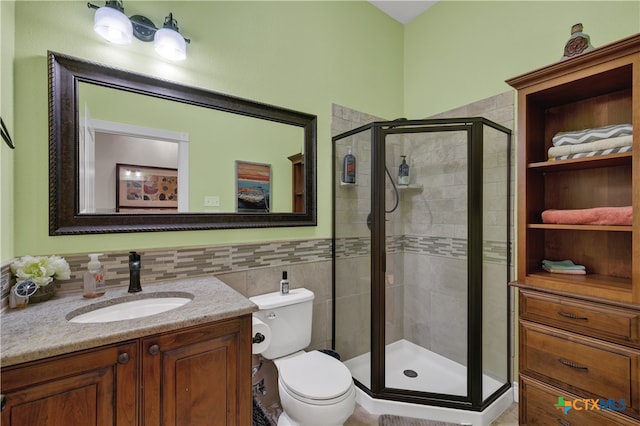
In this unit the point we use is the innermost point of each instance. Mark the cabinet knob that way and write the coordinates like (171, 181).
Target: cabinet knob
(154, 349)
(123, 358)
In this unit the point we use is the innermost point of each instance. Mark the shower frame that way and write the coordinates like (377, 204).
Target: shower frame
(473, 126)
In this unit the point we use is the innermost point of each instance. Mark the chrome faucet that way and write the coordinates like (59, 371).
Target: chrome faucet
(134, 272)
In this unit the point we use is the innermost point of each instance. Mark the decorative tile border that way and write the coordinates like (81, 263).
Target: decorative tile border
(493, 251)
(160, 265)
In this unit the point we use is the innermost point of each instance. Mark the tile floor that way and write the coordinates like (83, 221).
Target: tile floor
(362, 418)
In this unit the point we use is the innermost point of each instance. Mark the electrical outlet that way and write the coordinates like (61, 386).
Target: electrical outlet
(212, 201)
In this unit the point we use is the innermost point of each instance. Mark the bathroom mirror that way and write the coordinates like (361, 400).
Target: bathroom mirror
(133, 153)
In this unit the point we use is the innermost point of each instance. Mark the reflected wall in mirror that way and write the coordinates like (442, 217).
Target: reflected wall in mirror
(102, 116)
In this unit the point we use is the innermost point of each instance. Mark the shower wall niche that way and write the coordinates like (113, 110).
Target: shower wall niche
(421, 303)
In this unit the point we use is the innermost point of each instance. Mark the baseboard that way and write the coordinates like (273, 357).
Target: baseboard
(515, 392)
(442, 414)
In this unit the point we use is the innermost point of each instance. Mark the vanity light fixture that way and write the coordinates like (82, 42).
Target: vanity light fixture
(113, 25)
(168, 42)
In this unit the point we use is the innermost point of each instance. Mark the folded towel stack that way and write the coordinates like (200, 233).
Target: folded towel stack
(593, 216)
(563, 267)
(591, 142)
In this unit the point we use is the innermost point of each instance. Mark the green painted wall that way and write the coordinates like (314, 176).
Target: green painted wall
(7, 30)
(302, 55)
(299, 55)
(463, 51)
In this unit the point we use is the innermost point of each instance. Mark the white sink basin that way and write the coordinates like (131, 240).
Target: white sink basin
(132, 309)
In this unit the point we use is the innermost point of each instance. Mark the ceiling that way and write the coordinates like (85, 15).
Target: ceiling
(403, 11)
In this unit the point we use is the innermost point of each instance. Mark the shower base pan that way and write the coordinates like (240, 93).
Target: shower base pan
(411, 367)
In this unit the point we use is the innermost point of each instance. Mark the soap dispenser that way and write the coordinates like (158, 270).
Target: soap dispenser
(349, 168)
(403, 171)
(94, 283)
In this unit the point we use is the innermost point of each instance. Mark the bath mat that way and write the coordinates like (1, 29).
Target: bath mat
(260, 416)
(390, 420)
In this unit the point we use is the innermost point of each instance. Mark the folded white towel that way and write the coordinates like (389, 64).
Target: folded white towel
(557, 151)
(590, 135)
(619, 150)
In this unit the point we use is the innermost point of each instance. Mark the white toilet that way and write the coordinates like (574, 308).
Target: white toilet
(315, 388)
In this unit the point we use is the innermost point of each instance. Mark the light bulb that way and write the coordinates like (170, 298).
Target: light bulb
(170, 44)
(113, 25)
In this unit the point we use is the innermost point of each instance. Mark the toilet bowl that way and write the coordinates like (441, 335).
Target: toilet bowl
(315, 388)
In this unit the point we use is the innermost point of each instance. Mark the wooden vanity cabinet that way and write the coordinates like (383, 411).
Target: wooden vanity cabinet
(200, 376)
(195, 376)
(89, 388)
(579, 335)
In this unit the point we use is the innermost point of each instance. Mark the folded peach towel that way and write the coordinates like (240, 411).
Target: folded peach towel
(593, 216)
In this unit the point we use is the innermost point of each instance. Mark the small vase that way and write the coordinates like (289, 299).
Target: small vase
(43, 293)
(578, 43)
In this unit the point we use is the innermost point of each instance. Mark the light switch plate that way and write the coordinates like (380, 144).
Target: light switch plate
(212, 201)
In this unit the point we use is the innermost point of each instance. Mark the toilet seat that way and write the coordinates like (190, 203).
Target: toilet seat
(315, 378)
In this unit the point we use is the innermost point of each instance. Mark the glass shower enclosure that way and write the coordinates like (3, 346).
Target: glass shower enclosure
(421, 304)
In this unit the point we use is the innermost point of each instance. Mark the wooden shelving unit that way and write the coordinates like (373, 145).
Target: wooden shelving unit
(589, 91)
(596, 89)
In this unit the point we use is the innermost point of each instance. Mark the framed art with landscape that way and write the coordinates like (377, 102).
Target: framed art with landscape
(253, 187)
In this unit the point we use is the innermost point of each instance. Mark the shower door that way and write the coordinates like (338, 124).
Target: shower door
(428, 321)
(426, 242)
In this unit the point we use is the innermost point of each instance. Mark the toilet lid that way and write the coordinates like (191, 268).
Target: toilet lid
(315, 375)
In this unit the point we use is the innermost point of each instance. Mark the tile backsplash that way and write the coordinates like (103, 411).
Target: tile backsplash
(250, 269)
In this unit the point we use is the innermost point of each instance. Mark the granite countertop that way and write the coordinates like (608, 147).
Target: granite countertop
(42, 330)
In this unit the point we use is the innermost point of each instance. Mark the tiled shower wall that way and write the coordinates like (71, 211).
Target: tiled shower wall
(499, 109)
(426, 242)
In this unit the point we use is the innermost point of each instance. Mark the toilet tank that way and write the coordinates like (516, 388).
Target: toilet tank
(289, 317)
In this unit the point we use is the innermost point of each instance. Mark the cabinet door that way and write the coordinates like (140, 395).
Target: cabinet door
(96, 387)
(199, 376)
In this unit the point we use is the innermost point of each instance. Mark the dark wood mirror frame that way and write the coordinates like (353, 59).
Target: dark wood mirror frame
(65, 75)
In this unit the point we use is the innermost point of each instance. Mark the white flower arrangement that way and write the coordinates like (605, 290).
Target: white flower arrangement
(41, 269)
